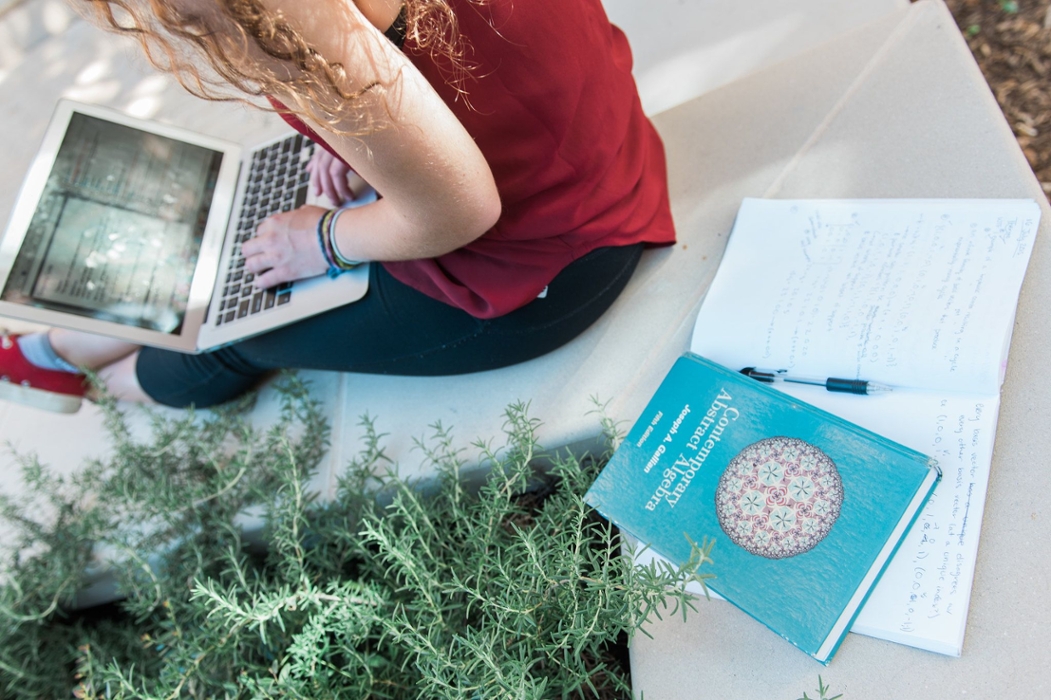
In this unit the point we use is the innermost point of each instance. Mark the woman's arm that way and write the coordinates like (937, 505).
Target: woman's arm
(438, 191)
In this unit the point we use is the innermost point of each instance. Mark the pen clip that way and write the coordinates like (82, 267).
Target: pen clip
(762, 375)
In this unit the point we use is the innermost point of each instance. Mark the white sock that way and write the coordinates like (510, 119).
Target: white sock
(36, 348)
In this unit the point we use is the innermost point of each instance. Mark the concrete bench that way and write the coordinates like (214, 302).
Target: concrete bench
(895, 109)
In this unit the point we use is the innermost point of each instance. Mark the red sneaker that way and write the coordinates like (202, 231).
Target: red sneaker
(28, 384)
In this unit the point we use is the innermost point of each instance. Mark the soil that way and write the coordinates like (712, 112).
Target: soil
(1011, 40)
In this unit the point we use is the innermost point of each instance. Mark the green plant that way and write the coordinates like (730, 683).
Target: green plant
(822, 690)
(516, 589)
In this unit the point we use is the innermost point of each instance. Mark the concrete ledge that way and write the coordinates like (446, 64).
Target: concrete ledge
(685, 48)
(912, 117)
(897, 109)
(26, 23)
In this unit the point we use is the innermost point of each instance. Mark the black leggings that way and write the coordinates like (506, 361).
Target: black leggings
(395, 329)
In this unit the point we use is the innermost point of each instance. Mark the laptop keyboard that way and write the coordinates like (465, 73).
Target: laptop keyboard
(277, 181)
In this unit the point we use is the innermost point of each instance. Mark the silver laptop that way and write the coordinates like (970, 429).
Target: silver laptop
(133, 230)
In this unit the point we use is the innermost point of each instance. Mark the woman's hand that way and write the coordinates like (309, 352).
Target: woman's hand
(328, 177)
(285, 248)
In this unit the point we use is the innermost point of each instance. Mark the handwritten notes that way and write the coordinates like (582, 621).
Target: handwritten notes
(918, 294)
(906, 292)
(923, 597)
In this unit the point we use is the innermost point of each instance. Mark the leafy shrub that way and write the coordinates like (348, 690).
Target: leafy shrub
(513, 590)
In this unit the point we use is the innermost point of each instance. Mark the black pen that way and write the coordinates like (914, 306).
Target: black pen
(845, 386)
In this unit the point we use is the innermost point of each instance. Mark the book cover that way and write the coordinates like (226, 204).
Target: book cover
(805, 509)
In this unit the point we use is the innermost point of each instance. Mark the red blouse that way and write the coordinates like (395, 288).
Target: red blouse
(553, 107)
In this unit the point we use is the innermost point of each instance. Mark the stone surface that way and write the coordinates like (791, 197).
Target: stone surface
(909, 116)
(685, 48)
(897, 109)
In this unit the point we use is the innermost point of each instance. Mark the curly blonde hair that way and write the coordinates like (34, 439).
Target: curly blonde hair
(182, 42)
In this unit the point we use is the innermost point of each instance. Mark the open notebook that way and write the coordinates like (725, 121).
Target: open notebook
(917, 294)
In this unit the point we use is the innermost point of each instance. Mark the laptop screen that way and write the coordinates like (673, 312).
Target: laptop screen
(117, 231)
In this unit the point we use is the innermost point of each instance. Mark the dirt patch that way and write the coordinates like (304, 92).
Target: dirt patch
(1011, 40)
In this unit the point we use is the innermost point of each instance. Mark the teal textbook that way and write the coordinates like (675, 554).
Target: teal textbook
(805, 509)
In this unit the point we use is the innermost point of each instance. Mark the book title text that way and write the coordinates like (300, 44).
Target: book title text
(676, 478)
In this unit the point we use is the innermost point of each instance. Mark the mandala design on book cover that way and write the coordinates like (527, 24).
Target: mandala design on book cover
(779, 497)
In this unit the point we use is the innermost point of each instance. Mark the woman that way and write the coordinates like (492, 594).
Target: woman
(519, 179)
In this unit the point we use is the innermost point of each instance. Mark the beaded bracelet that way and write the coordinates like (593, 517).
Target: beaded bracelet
(326, 238)
(322, 240)
(342, 261)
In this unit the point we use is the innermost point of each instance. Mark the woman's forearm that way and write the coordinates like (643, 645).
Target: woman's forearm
(379, 231)
(438, 191)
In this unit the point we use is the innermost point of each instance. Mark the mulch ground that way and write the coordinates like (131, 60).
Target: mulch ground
(1011, 40)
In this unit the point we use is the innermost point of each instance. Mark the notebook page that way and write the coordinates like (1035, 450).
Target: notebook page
(917, 293)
